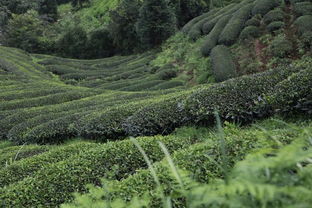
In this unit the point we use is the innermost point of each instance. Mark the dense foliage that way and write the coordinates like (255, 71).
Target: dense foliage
(156, 23)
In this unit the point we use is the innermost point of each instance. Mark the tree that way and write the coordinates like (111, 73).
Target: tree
(100, 44)
(79, 3)
(48, 10)
(23, 31)
(73, 43)
(188, 9)
(122, 25)
(20, 6)
(156, 23)
(4, 16)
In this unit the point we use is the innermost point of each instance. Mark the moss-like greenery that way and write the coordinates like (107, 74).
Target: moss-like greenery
(264, 6)
(250, 32)
(223, 65)
(304, 24)
(275, 26)
(273, 16)
(303, 8)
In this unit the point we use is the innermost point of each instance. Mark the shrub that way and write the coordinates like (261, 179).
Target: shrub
(196, 30)
(228, 10)
(73, 43)
(273, 16)
(223, 65)
(294, 94)
(45, 100)
(212, 39)
(145, 85)
(254, 21)
(209, 25)
(5, 144)
(54, 131)
(167, 74)
(296, 1)
(306, 41)
(274, 26)
(234, 27)
(190, 24)
(250, 32)
(264, 6)
(31, 125)
(117, 160)
(107, 125)
(16, 153)
(304, 24)
(161, 117)
(29, 166)
(167, 85)
(100, 44)
(281, 47)
(29, 93)
(236, 99)
(303, 8)
(156, 23)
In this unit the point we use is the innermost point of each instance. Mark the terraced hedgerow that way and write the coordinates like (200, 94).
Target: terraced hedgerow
(221, 112)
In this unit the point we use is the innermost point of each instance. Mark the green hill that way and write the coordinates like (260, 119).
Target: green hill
(218, 116)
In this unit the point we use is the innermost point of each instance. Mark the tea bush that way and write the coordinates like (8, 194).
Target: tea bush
(250, 32)
(281, 47)
(234, 27)
(212, 39)
(222, 62)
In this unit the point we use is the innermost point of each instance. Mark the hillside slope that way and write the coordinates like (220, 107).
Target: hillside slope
(38, 107)
(245, 69)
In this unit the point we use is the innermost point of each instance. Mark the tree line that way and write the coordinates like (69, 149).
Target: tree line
(134, 26)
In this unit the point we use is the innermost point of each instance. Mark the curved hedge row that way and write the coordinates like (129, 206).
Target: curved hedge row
(304, 24)
(274, 26)
(250, 32)
(223, 66)
(117, 159)
(22, 120)
(190, 24)
(168, 85)
(28, 167)
(254, 21)
(234, 27)
(303, 8)
(46, 100)
(208, 26)
(212, 39)
(57, 124)
(264, 6)
(107, 125)
(198, 160)
(237, 99)
(196, 30)
(158, 118)
(10, 155)
(273, 16)
(293, 94)
(29, 93)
